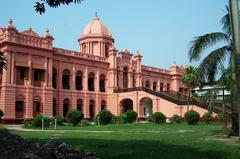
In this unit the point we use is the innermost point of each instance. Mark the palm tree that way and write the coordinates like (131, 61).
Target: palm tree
(211, 64)
(225, 83)
(40, 4)
(191, 80)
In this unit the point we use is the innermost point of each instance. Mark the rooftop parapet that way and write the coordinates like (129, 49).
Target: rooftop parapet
(79, 54)
(155, 69)
(27, 37)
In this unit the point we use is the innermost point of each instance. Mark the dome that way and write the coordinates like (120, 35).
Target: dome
(96, 27)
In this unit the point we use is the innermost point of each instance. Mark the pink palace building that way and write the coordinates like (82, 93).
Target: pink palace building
(43, 79)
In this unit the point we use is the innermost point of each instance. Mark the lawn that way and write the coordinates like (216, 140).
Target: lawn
(145, 141)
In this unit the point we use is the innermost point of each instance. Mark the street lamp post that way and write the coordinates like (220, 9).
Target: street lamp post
(234, 19)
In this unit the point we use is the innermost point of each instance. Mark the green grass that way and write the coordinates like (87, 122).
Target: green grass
(145, 141)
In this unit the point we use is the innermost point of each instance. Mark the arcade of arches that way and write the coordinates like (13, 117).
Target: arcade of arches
(145, 105)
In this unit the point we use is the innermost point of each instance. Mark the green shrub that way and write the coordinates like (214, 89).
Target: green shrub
(37, 121)
(149, 118)
(114, 119)
(122, 119)
(176, 118)
(27, 122)
(74, 116)
(207, 117)
(1, 113)
(220, 117)
(192, 117)
(59, 118)
(131, 116)
(104, 117)
(158, 118)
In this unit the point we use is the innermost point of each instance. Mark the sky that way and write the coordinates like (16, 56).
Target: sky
(159, 29)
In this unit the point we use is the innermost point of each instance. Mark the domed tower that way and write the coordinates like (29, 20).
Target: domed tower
(96, 38)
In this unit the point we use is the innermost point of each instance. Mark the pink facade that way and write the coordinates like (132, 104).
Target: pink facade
(43, 79)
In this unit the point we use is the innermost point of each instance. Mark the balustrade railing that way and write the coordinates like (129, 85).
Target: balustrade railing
(79, 54)
(173, 96)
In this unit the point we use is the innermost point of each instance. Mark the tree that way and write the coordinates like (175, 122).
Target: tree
(210, 65)
(74, 116)
(191, 80)
(40, 5)
(225, 83)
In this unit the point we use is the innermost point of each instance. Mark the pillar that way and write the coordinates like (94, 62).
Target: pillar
(50, 70)
(85, 80)
(73, 83)
(13, 70)
(96, 81)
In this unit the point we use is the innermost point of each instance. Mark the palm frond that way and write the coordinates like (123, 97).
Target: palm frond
(225, 21)
(191, 78)
(225, 79)
(204, 42)
(210, 65)
(39, 8)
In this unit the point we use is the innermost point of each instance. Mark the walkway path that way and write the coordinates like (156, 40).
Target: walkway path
(20, 128)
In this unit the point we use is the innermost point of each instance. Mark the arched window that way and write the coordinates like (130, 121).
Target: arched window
(168, 86)
(54, 78)
(92, 108)
(103, 105)
(91, 81)
(102, 83)
(78, 80)
(147, 84)
(154, 86)
(65, 106)
(65, 79)
(79, 105)
(161, 86)
(54, 107)
(84, 49)
(106, 51)
(125, 77)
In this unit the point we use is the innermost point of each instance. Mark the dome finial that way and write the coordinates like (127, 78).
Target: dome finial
(10, 23)
(96, 16)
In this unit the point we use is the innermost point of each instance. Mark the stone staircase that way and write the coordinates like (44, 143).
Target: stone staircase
(175, 97)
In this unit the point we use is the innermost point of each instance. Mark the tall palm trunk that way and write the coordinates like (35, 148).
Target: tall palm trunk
(235, 126)
(225, 117)
(234, 21)
(234, 107)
